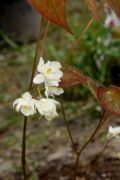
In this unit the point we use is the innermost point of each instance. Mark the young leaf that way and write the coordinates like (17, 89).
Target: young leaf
(92, 5)
(53, 10)
(109, 98)
(72, 76)
(115, 5)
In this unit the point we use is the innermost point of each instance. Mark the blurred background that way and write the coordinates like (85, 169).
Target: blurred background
(49, 155)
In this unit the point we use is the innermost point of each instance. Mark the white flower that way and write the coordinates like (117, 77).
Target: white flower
(25, 104)
(48, 73)
(112, 20)
(53, 91)
(47, 108)
(114, 131)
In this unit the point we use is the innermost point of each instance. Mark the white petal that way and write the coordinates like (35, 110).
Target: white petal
(46, 106)
(56, 75)
(52, 116)
(40, 65)
(27, 111)
(31, 104)
(46, 88)
(47, 93)
(43, 105)
(18, 103)
(53, 83)
(56, 65)
(38, 79)
(27, 96)
(114, 130)
(54, 101)
(56, 91)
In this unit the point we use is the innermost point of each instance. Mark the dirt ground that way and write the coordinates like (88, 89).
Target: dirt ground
(49, 153)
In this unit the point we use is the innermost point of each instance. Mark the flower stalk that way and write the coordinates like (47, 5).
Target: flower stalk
(23, 155)
(77, 151)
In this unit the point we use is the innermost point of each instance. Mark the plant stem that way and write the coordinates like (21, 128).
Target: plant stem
(76, 166)
(100, 154)
(66, 124)
(100, 124)
(23, 158)
(70, 53)
(37, 52)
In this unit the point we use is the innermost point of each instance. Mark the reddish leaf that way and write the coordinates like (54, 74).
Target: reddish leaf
(53, 10)
(92, 87)
(72, 76)
(92, 5)
(115, 5)
(109, 98)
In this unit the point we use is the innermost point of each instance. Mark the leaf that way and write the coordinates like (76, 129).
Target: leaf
(92, 5)
(109, 98)
(52, 10)
(72, 76)
(115, 5)
(92, 87)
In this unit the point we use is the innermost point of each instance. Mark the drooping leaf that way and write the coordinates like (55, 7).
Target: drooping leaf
(72, 76)
(53, 10)
(115, 5)
(92, 5)
(92, 87)
(109, 98)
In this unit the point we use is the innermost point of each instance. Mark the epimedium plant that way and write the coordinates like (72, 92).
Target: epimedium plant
(52, 77)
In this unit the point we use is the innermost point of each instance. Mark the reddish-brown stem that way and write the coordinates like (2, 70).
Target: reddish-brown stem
(37, 53)
(100, 124)
(78, 153)
(24, 149)
(76, 166)
(23, 158)
(100, 154)
(66, 124)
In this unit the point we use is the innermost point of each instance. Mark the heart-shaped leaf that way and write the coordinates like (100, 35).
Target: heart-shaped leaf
(72, 76)
(109, 98)
(115, 5)
(53, 10)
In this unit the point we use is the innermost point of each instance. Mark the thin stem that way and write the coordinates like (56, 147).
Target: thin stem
(39, 92)
(70, 53)
(100, 124)
(44, 38)
(78, 41)
(100, 154)
(66, 124)
(23, 158)
(35, 61)
(76, 166)
(37, 52)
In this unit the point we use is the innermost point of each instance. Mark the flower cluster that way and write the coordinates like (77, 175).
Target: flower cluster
(49, 75)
